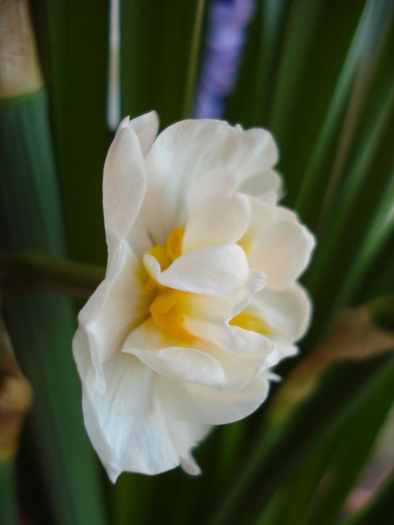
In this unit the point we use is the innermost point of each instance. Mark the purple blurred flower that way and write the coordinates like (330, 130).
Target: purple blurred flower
(225, 42)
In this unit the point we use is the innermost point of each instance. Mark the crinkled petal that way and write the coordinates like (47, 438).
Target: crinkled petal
(124, 184)
(282, 349)
(221, 309)
(120, 302)
(158, 351)
(234, 340)
(128, 425)
(218, 183)
(241, 365)
(266, 181)
(211, 405)
(185, 151)
(186, 436)
(218, 271)
(287, 312)
(282, 250)
(218, 221)
(146, 127)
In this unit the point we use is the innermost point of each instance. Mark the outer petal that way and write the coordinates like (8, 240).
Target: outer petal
(211, 405)
(124, 184)
(267, 180)
(282, 250)
(146, 127)
(187, 150)
(218, 271)
(287, 312)
(120, 302)
(186, 436)
(129, 410)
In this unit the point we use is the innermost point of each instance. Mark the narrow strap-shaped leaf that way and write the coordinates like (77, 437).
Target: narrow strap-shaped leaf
(318, 490)
(378, 510)
(160, 74)
(8, 500)
(361, 54)
(72, 39)
(41, 326)
(283, 449)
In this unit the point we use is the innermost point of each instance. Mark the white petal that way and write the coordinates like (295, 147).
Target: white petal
(120, 301)
(218, 271)
(287, 312)
(221, 309)
(234, 340)
(211, 405)
(158, 351)
(146, 127)
(124, 184)
(282, 350)
(186, 436)
(215, 183)
(187, 150)
(282, 250)
(266, 181)
(127, 425)
(217, 221)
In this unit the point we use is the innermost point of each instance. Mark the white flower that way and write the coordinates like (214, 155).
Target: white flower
(200, 296)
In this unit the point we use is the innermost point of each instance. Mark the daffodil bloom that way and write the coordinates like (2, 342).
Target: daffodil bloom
(200, 298)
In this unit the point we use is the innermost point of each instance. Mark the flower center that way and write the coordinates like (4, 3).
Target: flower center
(165, 308)
(250, 321)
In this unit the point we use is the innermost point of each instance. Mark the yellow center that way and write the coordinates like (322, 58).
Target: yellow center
(165, 308)
(250, 321)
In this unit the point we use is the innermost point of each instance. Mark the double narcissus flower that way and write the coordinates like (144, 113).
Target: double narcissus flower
(200, 297)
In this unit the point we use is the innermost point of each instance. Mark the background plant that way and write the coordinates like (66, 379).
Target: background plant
(319, 74)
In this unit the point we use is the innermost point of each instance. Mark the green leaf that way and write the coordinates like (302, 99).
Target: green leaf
(42, 326)
(160, 74)
(283, 448)
(378, 510)
(26, 272)
(72, 39)
(316, 493)
(8, 500)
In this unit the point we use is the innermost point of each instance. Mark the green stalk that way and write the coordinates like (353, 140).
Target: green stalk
(363, 49)
(375, 237)
(284, 449)
(72, 38)
(378, 510)
(193, 60)
(41, 326)
(8, 500)
(160, 74)
(28, 272)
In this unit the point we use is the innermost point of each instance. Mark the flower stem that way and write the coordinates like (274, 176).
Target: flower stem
(30, 271)
(193, 60)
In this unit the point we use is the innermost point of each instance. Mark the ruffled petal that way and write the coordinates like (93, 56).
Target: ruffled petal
(186, 436)
(163, 354)
(119, 303)
(218, 221)
(124, 184)
(185, 151)
(211, 405)
(146, 127)
(266, 181)
(282, 250)
(287, 312)
(218, 271)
